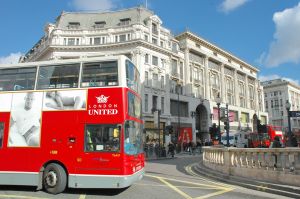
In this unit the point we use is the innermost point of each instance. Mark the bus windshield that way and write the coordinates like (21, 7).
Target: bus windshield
(134, 106)
(133, 138)
(132, 77)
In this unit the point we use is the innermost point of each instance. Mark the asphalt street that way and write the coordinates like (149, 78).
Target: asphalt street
(166, 178)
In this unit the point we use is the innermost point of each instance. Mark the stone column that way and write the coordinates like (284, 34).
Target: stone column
(222, 86)
(247, 97)
(236, 93)
(206, 79)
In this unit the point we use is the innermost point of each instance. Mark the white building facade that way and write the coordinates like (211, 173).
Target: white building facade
(182, 75)
(276, 93)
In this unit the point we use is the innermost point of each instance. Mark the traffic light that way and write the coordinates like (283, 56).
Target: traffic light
(169, 129)
(226, 125)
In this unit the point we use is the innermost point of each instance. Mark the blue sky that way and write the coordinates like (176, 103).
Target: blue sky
(264, 33)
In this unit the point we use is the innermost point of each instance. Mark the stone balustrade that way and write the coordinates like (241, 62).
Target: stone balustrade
(276, 165)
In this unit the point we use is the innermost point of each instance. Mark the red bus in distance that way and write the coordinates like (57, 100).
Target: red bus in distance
(71, 123)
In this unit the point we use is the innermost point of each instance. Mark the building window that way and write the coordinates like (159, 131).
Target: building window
(147, 58)
(161, 43)
(146, 102)
(162, 63)
(182, 106)
(97, 40)
(154, 28)
(174, 47)
(162, 105)
(154, 102)
(174, 67)
(181, 70)
(162, 81)
(271, 103)
(244, 117)
(122, 38)
(73, 25)
(71, 41)
(146, 78)
(155, 80)
(99, 24)
(146, 38)
(125, 21)
(154, 41)
(154, 61)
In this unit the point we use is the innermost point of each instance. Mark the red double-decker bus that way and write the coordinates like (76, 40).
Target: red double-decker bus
(72, 123)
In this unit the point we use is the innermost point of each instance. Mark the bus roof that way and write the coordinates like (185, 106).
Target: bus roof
(38, 63)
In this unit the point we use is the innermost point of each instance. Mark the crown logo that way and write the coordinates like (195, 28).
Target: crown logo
(102, 99)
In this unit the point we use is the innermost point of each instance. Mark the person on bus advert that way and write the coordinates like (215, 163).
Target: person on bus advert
(62, 100)
(25, 123)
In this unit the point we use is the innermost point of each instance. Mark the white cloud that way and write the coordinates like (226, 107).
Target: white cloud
(271, 77)
(230, 5)
(286, 45)
(93, 5)
(11, 59)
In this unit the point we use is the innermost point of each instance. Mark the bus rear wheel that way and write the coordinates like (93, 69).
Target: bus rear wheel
(54, 178)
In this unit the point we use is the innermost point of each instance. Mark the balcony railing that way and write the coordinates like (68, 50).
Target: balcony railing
(277, 165)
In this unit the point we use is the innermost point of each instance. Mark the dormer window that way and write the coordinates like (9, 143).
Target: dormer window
(125, 21)
(74, 25)
(154, 29)
(100, 24)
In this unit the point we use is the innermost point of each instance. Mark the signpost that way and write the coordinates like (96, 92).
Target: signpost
(294, 113)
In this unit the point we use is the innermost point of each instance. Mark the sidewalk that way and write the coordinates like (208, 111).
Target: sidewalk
(177, 155)
(279, 189)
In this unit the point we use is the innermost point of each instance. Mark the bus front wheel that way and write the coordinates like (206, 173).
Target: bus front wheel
(54, 178)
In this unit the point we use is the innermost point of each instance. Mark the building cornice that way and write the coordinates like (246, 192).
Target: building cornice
(277, 83)
(138, 42)
(213, 47)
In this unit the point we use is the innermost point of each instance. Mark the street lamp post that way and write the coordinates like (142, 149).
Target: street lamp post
(178, 112)
(228, 126)
(288, 107)
(158, 126)
(218, 100)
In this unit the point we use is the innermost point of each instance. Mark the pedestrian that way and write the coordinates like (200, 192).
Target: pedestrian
(189, 148)
(193, 148)
(276, 144)
(294, 142)
(171, 149)
(198, 145)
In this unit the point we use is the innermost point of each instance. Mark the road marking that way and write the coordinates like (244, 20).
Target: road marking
(161, 185)
(22, 197)
(175, 188)
(214, 194)
(190, 171)
(221, 189)
(82, 196)
(193, 183)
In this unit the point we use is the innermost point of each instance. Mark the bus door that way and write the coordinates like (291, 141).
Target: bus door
(101, 149)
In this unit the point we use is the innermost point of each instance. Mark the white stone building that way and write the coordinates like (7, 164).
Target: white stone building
(180, 74)
(276, 93)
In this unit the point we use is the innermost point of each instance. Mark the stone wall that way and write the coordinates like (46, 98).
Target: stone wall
(278, 165)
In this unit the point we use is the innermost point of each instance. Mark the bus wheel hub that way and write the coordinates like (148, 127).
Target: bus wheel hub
(51, 179)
